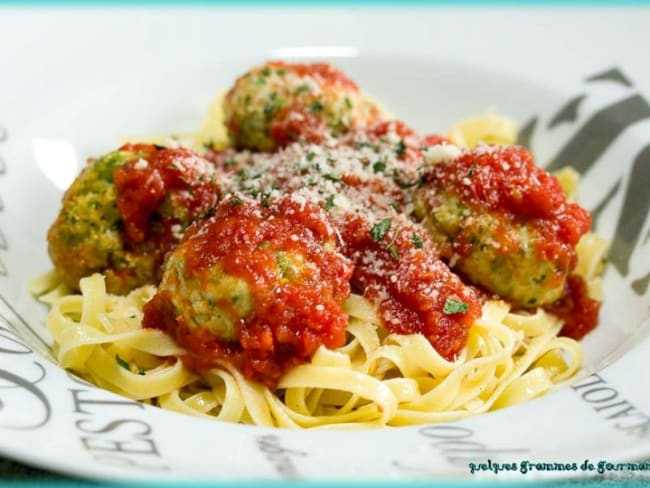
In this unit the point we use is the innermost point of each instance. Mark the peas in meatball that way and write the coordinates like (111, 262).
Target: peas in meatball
(278, 103)
(503, 223)
(125, 211)
(259, 286)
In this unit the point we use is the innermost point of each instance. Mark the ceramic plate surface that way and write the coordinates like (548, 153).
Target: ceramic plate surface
(52, 419)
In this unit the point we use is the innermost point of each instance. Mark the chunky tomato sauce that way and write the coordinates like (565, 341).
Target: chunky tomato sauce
(415, 291)
(409, 146)
(325, 73)
(576, 309)
(292, 314)
(143, 185)
(297, 123)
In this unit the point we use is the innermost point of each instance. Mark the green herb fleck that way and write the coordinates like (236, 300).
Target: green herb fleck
(273, 104)
(332, 177)
(208, 213)
(301, 89)
(310, 156)
(361, 145)
(122, 362)
(379, 230)
(142, 371)
(266, 71)
(417, 241)
(406, 184)
(329, 202)
(229, 162)
(455, 306)
(400, 148)
(471, 170)
(348, 103)
(316, 106)
(378, 167)
(393, 251)
(236, 201)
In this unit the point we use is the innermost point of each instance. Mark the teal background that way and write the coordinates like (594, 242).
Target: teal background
(327, 3)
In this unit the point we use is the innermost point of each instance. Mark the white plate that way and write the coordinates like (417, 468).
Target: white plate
(52, 419)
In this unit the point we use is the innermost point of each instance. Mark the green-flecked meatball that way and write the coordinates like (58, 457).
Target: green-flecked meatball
(503, 223)
(278, 103)
(125, 211)
(209, 299)
(258, 285)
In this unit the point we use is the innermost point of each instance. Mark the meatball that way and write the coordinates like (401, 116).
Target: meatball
(125, 211)
(502, 222)
(278, 103)
(259, 286)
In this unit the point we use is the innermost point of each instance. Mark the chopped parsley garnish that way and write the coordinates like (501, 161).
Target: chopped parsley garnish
(310, 156)
(378, 167)
(173, 166)
(142, 372)
(393, 251)
(230, 162)
(369, 145)
(311, 181)
(332, 177)
(455, 306)
(208, 213)
(301, 89)
(404, 185)
(236, 201)
(417, 241)
(470, 173)
(266, 71)
(208, 144)
(122, 362)
(316, 106)
(264, 200)
(379, 230)
(400, 148)
(273, 104)
(348, 102)
(329, 202)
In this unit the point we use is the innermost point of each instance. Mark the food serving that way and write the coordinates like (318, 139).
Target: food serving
(313, 262)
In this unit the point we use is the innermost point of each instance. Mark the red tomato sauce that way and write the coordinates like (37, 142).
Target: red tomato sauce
(296, 123)
(325, 73)
(143, 185)
(579, 312)
(291, 317)
(409, 148)
(403, 274)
